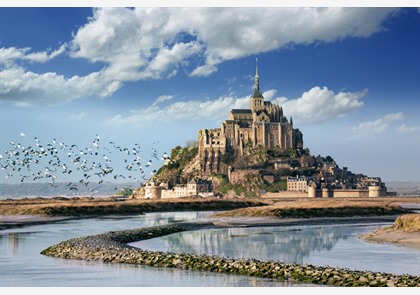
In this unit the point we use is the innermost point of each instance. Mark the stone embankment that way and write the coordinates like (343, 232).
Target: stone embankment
(112, 247)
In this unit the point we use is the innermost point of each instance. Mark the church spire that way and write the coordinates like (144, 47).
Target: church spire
(257, 92)
(256, 67)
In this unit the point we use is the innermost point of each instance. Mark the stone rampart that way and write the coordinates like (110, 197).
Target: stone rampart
(326, 193)
(350, 193)
(285, 194)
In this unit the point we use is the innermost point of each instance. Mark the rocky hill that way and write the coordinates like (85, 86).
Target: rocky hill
(257, 171)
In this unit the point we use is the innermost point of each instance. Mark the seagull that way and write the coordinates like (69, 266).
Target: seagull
(22, 134)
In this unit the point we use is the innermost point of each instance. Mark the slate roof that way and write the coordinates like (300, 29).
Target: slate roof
(241, 111)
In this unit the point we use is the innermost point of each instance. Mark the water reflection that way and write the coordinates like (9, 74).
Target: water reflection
(288, 244)
(22, 265)
(319, 245)
(13, 241)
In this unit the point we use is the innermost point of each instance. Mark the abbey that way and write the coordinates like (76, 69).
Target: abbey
(262, 124)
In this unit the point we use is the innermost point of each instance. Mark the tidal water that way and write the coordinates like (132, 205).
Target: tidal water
(22, 265)
(332, 245)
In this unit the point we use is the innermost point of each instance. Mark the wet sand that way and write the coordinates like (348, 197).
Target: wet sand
(9, 221)
(389, 235)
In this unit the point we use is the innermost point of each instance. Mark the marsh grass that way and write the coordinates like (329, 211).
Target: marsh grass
(100, 206)
(408, 223)
(320, 208)
(236, 207)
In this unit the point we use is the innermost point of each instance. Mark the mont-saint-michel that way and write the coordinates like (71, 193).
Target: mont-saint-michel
(256, 152)
(244, 187)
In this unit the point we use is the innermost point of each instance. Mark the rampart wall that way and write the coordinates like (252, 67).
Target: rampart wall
(328, 193)
(285, 194)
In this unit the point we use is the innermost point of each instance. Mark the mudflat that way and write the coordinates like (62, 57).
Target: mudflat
(390, 235)
(234, 211)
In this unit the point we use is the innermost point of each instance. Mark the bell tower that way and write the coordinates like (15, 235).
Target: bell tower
(257, 99)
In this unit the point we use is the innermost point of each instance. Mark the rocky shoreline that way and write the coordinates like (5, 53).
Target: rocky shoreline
(112, 247)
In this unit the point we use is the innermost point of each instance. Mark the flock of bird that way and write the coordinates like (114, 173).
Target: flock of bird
(49, 162)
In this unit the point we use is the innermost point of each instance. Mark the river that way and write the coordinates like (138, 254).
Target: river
(22, 265)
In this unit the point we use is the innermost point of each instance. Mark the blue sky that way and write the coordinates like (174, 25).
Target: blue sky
(349, 77)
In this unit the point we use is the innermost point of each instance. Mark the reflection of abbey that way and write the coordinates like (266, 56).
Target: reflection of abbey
(262, 124)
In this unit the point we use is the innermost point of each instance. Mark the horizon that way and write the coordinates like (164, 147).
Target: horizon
(155, 76)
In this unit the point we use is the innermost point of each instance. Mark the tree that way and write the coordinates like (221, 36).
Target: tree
(191, 143)
(125, 192)
(228, 158)
(292, 153)
(329, 159)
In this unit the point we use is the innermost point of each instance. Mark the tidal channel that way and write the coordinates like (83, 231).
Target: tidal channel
(22, 265)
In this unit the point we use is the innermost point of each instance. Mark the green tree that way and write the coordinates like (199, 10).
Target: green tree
(228, 158)
(125, 192)
(292, 153)
(329, 159)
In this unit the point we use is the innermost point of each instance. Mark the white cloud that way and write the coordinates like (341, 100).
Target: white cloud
(235, 33)
(147, 37)
(378, 126)
(111, 88)
(393, 117)
(77, 117)
(321, 104)
(316, 105)
(163, 98)
(25, 88)
(404, 129)
(11, 54)
(153, 43)
(193, 110)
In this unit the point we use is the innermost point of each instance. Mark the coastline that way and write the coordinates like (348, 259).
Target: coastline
(393, 236)
(11, 221)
